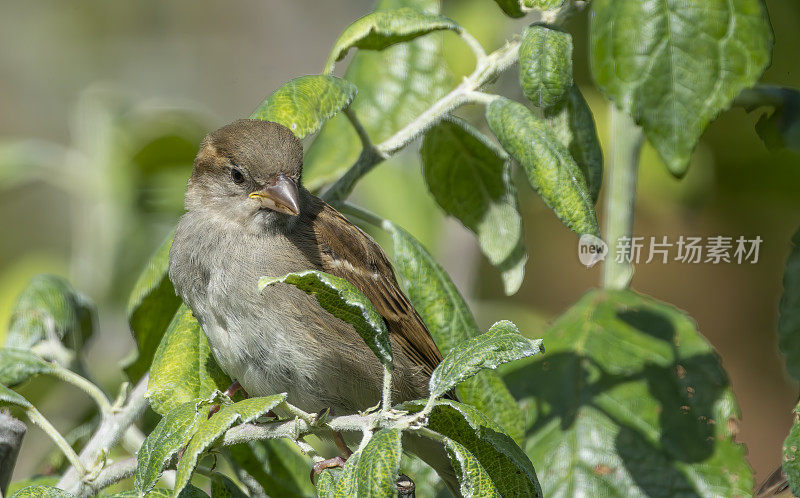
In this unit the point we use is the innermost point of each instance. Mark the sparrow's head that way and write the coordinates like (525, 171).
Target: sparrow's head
(248, 170)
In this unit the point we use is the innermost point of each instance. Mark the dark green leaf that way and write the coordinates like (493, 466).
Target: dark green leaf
(209, 431)
(41, 492)
(573, 123)
(791, 456)
(542, 4)
(473, 478)
(394, 86)
(545, 64)
(151, 306)
(378, 464)
(276, 465)
(450, 322)
(188, 492)
(630, 400)
(470, 179)
(674, 66)
(170, 435)
(501, 344)
(780, 127)
(50, 307)
(305, 103)
(18, 365)
(343, 300)
(512, 8)
(222, 487)
(789, 318)
(383, 28)
(183, 368)
(504, 461)
(551, 169)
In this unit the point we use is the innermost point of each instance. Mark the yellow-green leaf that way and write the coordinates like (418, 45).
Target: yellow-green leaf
(545, 64)
(305, 103)
(383, 28)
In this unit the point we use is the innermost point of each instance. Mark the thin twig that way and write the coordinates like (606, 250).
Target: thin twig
(486, 71)
(107, 436)
(37, 418)
(84, 385)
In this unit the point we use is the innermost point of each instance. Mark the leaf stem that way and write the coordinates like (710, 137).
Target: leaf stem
(366, 142)
(626, 145)
(486, 71)
(38, 419)
(386, 398)
(84, 385)
(474, 45)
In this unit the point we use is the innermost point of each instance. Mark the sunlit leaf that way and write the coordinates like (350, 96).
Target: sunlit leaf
(450, 322)
(41, 492)
(674, 66)
(183, 367)
(383, 28)
(501, 344)
(170, 435)
(343, 300)
(377, 467)
(305, 103)
(209, 431)
(630, 400)
(550, 168)
(470, 179)
(151, 306)
(545, 64)
(473, 478)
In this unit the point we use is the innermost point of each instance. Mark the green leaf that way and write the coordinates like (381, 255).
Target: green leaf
(9, 397)
(305, 103)
(780, 127)
(18, 365)
(377, 467)
(183, 368)
(573, 123)
(209, 431)
(505, 462)
(34, 481)
(630, 400)
(188, 492)
(41, 492)
(470, 179)
(674, 66)
(326, 484)
(512, 8)
(473, 478)
(170, 435)
(550, 167)
(394, 86)
(545, 64)
(501, 344)
(343, 300)
(347, 485)
(450, 322)
(49, 305)
(789, 317)
(383, 28)
(222, 487)
(542, 4)
(151, 306)
(791, 456)
(277, 465)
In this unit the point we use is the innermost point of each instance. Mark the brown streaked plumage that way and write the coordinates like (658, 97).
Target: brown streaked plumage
(248, 216)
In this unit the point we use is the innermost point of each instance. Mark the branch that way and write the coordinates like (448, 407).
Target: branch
(11, 433)
(626, 146)
(486, 71)
(111, 429)
(112, 474)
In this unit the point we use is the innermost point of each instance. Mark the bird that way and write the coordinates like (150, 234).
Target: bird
(247, 216)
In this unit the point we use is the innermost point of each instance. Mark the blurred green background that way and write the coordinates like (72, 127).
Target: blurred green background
(102, 105)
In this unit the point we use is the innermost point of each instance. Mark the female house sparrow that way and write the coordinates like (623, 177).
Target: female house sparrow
(248, 216)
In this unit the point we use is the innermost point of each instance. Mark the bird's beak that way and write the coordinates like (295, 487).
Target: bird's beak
(281, 196)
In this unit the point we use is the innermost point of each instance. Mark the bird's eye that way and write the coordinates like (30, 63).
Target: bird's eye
(236, 175)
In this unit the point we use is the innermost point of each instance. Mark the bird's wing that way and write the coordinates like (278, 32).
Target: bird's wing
(349, 253)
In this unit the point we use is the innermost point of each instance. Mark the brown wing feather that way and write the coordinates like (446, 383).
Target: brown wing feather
(349, 253)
